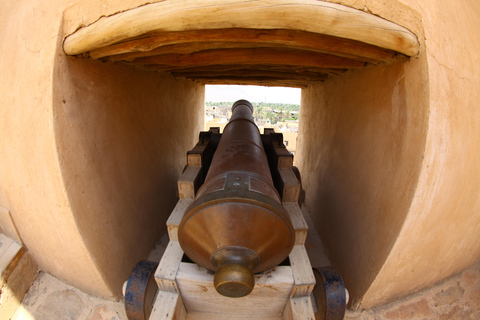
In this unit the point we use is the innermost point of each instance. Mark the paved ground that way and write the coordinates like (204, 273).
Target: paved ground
(457, 298)
(51, 299)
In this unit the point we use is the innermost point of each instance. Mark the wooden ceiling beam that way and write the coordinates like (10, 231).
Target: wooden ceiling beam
(252, 56)
(247, 73)
(185, 42)
(256, 82)
(179, 15)
(252, 68)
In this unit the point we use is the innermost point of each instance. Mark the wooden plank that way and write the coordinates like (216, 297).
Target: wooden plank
(257, 82)
(10, 253)
(188, 183)
(217, 316)
(299, 224)
(234, 68)
(168, 306)
(252, 56)
(176, 217)
(307, 15)
(291, 185)
(187, 42)
(252, 74)
(268, 298)
(167, 269)
(295, 80)
(302, 272)
(299, 308)
(251, 80)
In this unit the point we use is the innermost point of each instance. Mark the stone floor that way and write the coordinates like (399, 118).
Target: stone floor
(50, 299)
(456, 298)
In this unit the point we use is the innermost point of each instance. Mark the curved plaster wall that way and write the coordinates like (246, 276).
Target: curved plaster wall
(389, 157)
(90, 152)
(122, 137)
(360, 155)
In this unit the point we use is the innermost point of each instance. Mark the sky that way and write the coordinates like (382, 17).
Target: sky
(232, 93)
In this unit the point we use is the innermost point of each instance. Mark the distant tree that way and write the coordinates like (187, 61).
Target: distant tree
(283, 110)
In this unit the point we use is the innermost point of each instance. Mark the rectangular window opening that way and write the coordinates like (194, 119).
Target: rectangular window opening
(275, 107)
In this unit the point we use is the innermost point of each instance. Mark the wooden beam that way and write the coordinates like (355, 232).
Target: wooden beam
(247, 73)
(268, 298)
(264, 81)
(252, 56)
(259, 74)
(168, 306)
(306, 15)
(252, 68)
(191, 41)
(257, 82)
(299, 308)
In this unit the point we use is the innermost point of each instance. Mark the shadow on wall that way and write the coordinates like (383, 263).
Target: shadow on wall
(122, 136)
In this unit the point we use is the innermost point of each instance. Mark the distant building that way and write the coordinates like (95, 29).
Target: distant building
(218, 116)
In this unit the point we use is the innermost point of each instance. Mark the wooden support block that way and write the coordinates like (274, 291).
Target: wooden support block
(217, 316)
(18, 282)
(168, 306)
(10, 253)
(285, 162)
(189, 183)
(214, 130)
(195, 156)
(299, 308)
(194, 159)
(268, 298)
(176, 217)
(304, 279)
(291, 185)
(298, 221)
(285, 158)
(168, 267)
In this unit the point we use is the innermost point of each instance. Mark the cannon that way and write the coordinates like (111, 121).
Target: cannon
(237, 238)
(237, 226)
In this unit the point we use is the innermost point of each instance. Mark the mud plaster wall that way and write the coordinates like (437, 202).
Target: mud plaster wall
(90, 152)
(419, 137)
(389, 159)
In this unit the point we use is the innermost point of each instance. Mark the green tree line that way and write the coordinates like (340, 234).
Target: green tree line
(275, 112)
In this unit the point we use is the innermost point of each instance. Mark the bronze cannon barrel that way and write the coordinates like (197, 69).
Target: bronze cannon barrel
(237, 226)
